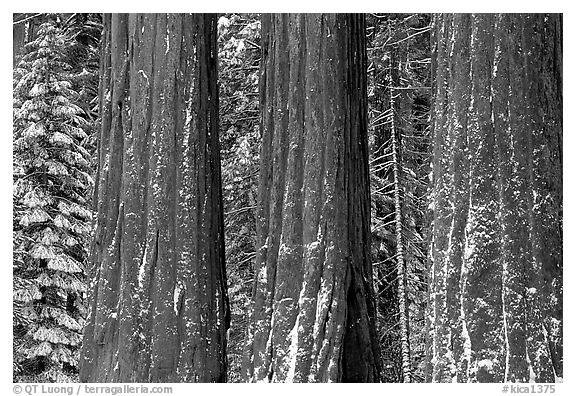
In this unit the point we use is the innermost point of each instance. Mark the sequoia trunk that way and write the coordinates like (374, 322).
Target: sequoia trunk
(497, 239)
(314, 315)
(158, 302)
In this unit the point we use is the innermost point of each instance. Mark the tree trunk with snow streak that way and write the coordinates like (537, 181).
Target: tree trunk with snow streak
(314, 314)
(158, 300)
(396, 130)
(497, 238)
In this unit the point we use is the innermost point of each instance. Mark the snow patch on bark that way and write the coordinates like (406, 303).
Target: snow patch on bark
(467, 342)
(333, 363)
(145, 76)
(285, 250)
(467, 355)
(531, 373)
(167, 41)
(292, 351)
(178, 290)
(505, 322)
(262, 275)
(265, 246)
(312, 249)
(486, 364)
(142, 269)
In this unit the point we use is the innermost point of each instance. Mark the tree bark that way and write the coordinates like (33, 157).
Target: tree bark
(158, 302)
(18, 37)
(314, 315)
(396, 130)
(497, 266)
(24, 26)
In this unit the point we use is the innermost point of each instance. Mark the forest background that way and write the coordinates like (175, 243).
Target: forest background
(395, 41)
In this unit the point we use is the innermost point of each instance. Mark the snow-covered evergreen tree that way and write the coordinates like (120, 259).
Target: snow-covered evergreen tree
(52, 186)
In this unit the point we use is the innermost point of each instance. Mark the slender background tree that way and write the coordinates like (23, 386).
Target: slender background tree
(399, 137)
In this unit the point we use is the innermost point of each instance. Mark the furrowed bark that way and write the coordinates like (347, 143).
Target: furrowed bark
(314, 315)
(158, 301)
(506, 158)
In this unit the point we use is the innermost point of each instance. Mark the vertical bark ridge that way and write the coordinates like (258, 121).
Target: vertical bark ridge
(460, 91)
(483, 296)
(441, 202)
